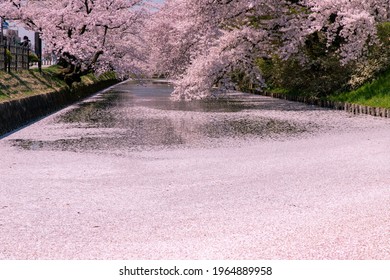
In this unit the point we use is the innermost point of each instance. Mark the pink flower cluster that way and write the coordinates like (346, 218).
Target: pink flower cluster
(201, 43)
(99, 34)
(198, 43)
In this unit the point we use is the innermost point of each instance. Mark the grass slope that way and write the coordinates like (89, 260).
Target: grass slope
(30, 82)
(375, 93)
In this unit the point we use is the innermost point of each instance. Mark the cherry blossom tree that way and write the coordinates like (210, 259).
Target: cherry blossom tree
(202, 43)
(351, 24)
(89, 35)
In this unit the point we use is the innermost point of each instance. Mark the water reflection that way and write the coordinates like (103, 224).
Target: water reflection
(144, 116)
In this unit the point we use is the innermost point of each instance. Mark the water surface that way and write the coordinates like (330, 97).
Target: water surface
(135, 116)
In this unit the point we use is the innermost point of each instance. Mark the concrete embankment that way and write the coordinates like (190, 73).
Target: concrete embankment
(16, 113)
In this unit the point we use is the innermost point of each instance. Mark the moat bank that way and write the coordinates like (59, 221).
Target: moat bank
(29, 95)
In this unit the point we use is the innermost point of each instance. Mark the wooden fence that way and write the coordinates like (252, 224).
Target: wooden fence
(13, 57)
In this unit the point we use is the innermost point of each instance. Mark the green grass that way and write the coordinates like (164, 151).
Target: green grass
(375, 93)
(25, 83)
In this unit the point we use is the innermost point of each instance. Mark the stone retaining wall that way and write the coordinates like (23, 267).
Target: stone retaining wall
(352, 108)
(16, 113)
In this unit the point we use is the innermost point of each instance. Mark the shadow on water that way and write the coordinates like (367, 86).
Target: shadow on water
(127, 141)
(249, 127)
(137, 130)
(96, 113)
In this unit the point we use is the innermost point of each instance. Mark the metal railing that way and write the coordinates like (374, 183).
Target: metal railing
(46, 61)
(14, 57)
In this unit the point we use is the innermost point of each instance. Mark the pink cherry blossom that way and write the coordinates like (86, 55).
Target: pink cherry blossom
(197, 43)
(98, 35)
(200, 43)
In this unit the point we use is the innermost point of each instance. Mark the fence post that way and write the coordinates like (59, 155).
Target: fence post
(5, 55)
(16, 58)
(13, 57)
(28, 58)
(23, 54)
(9, 58)
(38, 50)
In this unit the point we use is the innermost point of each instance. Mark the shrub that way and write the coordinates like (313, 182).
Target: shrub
(8, 55)
(32, 57)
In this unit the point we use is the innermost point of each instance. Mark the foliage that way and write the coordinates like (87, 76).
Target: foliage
(8, 55)
(316, 79)
(32, 57)
(322, 72)
(376, 93)
(384, 32)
